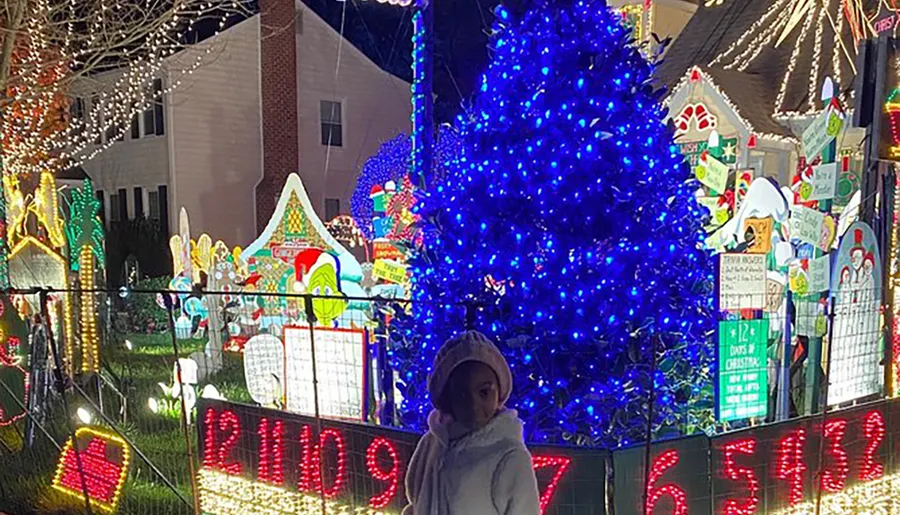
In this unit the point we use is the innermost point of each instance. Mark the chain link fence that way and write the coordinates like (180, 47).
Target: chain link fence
(122, 422)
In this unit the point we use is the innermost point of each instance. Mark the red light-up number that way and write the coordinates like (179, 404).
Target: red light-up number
(790, 466)
(735, 472)
(312, 464)
(391, 476)
(834, 477)
(661, 464)
(874, 433)
(216, 455)
(271, 452)
(562, 465)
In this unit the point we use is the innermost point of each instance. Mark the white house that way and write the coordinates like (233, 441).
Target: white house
(223, 141)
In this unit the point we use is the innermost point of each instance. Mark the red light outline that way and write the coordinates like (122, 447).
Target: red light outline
(216, 456)
(790, 465)
(392, 476)
(833, 481)
(874, 430)
(661, 464)
(271, 470)
(539, 462)
(735, 472)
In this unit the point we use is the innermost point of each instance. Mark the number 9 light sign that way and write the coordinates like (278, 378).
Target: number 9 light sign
(259, 460)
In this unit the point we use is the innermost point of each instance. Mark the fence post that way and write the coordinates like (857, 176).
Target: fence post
(783, 402)
(651, 400)
(311, 322)
(61, 387)
(185, 426)
(827, 380)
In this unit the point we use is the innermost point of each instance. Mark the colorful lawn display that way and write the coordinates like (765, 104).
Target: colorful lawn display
(296, 254)
(856, 365)
(96, 462)
(13, 360)
(84, 232)
(37, 241)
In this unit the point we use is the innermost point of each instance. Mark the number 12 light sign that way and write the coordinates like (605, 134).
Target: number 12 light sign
(742, 369)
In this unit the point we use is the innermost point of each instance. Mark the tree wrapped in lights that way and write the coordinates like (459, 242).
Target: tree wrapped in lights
(568, 220)
(47, 45)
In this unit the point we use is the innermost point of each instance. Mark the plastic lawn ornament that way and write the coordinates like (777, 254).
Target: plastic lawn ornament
(264, 369)
(317, 274)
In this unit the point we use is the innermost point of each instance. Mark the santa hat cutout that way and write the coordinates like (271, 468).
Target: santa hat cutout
(309, 260)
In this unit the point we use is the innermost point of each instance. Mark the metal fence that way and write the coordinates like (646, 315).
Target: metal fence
(132, 403)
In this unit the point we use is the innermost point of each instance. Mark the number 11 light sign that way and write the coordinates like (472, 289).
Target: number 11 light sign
(742, 369)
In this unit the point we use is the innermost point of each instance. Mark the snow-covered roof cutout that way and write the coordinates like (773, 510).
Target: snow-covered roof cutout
(294, 225)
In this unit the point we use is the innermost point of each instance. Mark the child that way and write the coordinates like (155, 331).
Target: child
(473, 460)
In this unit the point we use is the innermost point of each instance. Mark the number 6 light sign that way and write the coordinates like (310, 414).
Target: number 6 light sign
(261, 460)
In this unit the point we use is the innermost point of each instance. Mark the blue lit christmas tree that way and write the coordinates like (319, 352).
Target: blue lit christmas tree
(569, 219)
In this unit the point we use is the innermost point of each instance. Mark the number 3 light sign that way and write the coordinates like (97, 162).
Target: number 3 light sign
(257, 460)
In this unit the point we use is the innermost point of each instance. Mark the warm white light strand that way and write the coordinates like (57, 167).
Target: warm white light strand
(792, 64)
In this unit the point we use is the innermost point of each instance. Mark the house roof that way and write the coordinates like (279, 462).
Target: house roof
(736, 42)
(75, 173)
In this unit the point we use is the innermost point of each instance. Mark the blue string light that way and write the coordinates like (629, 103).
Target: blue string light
(549, 220)
(391, 163)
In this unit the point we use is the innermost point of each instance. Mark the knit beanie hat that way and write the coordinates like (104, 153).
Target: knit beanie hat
(468, 346)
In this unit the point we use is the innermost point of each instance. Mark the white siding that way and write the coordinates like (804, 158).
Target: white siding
(215, 132)
(375, 108)
(142, 162)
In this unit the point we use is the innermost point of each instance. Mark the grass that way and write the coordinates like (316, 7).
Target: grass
(25, 475)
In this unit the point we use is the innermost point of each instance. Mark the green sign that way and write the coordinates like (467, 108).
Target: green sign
(742, 369)
(726, 152)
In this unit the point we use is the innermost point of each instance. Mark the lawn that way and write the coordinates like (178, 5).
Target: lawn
(26, 474)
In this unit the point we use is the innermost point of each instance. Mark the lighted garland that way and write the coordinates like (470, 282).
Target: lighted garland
(569, 218)
(392, 163)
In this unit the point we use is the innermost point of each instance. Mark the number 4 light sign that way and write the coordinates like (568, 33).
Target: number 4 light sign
(257, 460)
(742, 369)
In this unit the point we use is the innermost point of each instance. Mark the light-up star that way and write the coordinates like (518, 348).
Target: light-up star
(798, 10)
(728, 151)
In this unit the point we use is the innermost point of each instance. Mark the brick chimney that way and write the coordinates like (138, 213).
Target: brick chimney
(281, 150)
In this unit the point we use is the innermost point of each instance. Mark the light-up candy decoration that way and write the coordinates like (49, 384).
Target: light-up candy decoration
(99, 467)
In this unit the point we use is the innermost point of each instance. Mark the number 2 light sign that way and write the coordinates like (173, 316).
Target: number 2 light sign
(257, 460)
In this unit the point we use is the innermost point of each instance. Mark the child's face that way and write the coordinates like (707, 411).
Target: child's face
(473, 394)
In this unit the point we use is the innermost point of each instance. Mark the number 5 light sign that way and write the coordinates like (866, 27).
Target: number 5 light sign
(742, 369)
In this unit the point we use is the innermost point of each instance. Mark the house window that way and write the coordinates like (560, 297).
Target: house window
(332, 130)
(77, 113)
(136, 126)
(153, 205)
(113, 207)
(123, 204)
(139, 202)
(332, 208)
(102, 212)
(153, 116)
